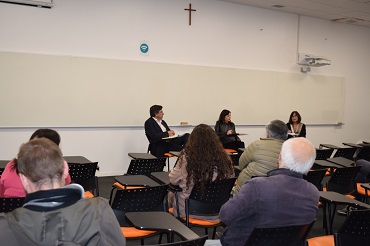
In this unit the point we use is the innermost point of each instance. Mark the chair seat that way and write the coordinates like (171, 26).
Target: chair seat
(168, 154)
(199, 222)
(350, 196)
(231, 151)
(132, 232)
(118, 185)
(321, 241)
(88, 194)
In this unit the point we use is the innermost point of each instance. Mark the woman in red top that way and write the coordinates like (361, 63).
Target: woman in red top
(10, 183)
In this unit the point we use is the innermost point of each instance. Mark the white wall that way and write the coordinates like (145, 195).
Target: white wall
(222, 35)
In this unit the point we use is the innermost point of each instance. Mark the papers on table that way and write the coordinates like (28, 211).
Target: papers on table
(170, 137)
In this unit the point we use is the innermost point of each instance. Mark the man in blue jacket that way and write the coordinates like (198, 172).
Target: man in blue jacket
(283, 198)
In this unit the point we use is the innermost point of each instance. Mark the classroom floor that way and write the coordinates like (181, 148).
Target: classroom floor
(105, 185)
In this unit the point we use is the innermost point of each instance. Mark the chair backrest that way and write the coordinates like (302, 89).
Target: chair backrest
(146, 166)
(209, 203)
(194, 242)
(364, 153)
(342, 180)
(355, 230)
(345, 152)
(279, 236)
(235, 159)
(315, 177)
(138, 200)
(9, 204)
(84, 174)
(323, 154)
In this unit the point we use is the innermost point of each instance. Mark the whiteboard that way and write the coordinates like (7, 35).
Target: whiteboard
(64, 91)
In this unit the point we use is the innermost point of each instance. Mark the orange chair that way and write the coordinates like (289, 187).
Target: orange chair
(138, 200)
(207, 204)
(321, 241)
(231, 151)
(361, 192)
(84, 174)
(354, 231)
(143, 167)
(168, 155)
(279, 236)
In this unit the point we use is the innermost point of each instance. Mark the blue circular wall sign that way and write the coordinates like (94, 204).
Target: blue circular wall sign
(144, 48)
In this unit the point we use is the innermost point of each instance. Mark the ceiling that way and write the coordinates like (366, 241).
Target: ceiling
(355, 12)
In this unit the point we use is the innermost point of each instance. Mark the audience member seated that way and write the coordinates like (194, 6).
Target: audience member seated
(54, 214)
(295, 125)
(203, 160)
(363, 175)
(10, 183)
(225, 129)
(283, 198)
(156, 129)
(262, 155)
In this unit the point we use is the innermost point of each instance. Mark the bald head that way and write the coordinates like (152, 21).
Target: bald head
(298, 155)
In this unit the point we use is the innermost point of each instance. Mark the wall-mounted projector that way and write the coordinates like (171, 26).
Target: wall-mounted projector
(312, 60)
(306, 61)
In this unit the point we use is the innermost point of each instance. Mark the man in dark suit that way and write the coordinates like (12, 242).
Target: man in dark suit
(156, 129)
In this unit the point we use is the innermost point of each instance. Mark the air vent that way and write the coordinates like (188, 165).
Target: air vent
(349, 20)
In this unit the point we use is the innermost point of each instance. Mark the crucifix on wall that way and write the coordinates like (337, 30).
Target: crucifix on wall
(190, 10)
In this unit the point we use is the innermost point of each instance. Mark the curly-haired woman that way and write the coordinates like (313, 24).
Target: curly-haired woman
(203, 160)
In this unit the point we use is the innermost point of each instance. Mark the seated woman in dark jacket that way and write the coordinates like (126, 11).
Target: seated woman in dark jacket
(225, 129)
(295, 127)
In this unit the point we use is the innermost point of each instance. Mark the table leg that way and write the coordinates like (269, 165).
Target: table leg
(331, 212)
(324, 220)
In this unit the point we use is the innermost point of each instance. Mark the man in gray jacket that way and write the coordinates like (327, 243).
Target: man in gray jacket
(54, 214)
(261, 156)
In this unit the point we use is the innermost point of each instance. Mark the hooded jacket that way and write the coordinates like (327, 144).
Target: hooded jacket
(61, 217)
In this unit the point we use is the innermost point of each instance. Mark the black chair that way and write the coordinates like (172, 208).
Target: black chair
(235, 159)
(138, 200)
(364, 153)
(194, 242)
(84, 174)
(354, 231)
(207, 204)
(146, 166)
(9, 204)
(151, 148)
(279, 236)
(315, 177)
(345, 152)
(142, 167)
(323, 154)
(342, 180)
